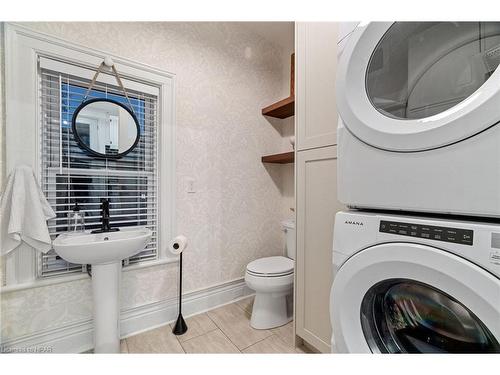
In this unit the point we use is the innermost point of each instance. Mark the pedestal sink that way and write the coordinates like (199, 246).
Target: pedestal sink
(105, 252)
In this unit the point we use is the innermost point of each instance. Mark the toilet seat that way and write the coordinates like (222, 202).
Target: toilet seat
(275, 266)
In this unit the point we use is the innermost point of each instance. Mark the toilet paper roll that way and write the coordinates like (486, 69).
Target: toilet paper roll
(178, 244)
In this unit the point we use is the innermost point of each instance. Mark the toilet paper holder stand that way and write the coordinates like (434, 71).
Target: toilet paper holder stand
(180, 326)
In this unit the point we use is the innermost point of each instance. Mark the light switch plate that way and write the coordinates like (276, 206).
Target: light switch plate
(190, 185)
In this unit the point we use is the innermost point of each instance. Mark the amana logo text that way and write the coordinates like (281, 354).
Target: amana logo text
(354, 222)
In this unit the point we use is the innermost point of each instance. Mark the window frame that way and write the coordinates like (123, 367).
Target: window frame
(23, 48)
(61, 79)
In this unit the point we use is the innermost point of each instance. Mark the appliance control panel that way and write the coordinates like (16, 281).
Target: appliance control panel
(430, 232)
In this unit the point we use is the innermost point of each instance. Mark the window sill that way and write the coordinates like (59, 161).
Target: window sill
(39, 283)
(158, 262)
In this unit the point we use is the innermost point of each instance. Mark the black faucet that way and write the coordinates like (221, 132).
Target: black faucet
(105, 226)
(105, 215)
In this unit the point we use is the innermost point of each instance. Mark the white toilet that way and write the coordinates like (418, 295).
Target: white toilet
(272, 280)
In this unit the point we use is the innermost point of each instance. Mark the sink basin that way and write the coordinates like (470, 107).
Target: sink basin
(105, 252)
(101, 248)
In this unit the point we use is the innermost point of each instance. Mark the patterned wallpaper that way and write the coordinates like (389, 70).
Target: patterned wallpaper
(225, 75)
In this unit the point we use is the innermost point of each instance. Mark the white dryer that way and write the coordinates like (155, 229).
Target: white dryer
(404, 284)
(345, 29)
(419, 107)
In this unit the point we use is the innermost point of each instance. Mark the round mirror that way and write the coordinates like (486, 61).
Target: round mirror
(105, 128)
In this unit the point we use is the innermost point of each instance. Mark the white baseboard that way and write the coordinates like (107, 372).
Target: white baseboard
(78, 337)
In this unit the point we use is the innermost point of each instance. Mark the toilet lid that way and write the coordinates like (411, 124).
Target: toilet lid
(271, 266)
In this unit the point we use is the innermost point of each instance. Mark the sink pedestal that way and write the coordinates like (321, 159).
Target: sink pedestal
(106, 291)
(105, 252)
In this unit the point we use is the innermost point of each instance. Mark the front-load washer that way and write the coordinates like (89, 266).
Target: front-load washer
(419, 108)
(407, 284)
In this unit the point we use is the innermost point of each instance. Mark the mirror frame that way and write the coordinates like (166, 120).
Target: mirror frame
(83, 145)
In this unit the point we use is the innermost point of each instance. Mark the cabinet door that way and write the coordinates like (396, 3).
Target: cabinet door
(316, 207)
(316, 65)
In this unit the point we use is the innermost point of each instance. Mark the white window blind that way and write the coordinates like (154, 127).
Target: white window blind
(69, 175)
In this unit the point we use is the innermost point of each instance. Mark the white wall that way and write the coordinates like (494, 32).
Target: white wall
(225, 75)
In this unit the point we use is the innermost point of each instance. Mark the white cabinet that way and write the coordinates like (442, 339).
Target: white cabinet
(316, 64)
(316, 179)
(317, 204)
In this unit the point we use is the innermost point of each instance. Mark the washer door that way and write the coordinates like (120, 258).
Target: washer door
(410, 298)
(414, 86)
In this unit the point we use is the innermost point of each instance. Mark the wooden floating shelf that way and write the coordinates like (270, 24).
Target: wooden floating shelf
(286, 107)
(283, 158)
(282, 109)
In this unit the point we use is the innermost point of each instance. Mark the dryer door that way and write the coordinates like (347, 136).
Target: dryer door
(410, 298)
(413, 86)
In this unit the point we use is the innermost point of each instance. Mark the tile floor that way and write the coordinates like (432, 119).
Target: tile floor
(223, 330)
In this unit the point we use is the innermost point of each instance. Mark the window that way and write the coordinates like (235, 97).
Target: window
(70, 175)
(44, 76)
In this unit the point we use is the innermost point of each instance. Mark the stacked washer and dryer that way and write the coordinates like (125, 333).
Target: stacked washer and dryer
(417, 256)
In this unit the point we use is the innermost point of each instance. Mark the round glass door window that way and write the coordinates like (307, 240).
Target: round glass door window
(420, 69)
(406, 316)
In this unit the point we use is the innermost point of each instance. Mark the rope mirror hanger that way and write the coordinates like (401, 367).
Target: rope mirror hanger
(106, 127)
(108, 61)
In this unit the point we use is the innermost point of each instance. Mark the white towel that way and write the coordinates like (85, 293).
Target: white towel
(24, 212)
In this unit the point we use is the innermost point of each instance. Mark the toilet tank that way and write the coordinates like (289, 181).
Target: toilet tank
(289, 229)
